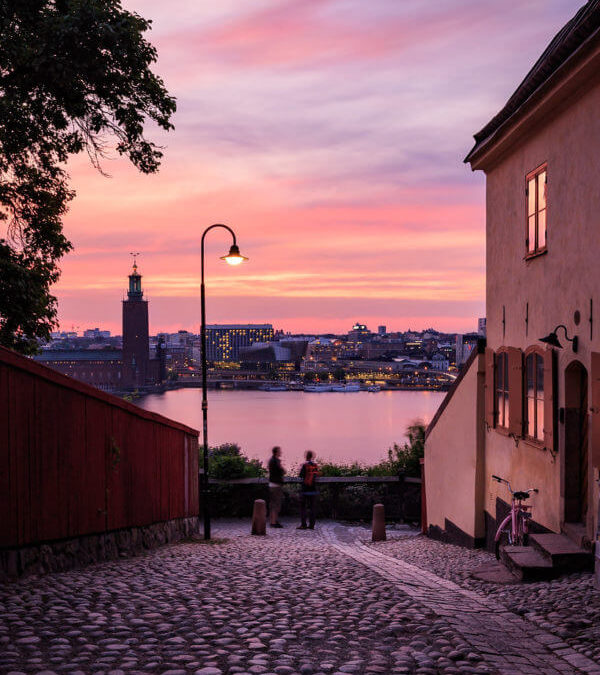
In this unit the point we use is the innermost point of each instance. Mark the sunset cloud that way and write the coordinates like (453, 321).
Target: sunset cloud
(330, 135)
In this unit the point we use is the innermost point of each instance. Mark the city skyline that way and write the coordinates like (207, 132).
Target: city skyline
(331, 138)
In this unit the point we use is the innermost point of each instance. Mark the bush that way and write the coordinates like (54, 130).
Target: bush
(404, 458)
(226, 462)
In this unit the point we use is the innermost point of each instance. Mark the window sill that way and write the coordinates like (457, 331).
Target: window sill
(533, 443)
(503, 431)
(536, 254)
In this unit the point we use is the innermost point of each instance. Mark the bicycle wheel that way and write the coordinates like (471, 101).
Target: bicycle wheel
(501, 542)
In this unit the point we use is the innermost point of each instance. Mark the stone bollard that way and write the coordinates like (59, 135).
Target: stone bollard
(259, 517)
(378, 522)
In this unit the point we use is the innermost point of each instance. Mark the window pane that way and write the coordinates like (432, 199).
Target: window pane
(506, 420)
(531, 417)
(500, 372)
(541, 191)
(540, 376)
(530, 376)
(499, 415)
(531, 234)
(542, 229)
(531, 197)
(540, 420)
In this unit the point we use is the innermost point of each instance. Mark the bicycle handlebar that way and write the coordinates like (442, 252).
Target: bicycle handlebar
(512, 492)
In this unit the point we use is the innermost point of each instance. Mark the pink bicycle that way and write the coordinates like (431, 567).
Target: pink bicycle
(514, 529)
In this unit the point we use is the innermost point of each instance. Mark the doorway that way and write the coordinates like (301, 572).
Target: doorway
(576, 443)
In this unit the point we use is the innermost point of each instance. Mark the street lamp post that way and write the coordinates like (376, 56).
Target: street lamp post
(234, 257)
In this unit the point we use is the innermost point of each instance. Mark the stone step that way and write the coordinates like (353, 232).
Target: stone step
(562, 552)
(526, 563)
(577, 533)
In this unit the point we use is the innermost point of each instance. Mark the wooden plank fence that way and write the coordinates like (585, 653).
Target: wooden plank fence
(75, 460)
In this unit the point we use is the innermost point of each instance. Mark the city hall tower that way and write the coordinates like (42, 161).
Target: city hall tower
(136, 345)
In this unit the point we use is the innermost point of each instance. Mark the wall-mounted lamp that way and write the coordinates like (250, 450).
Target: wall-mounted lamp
(552, 339)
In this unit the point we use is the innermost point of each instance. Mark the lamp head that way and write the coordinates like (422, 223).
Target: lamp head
(234, 257)
(552, 340)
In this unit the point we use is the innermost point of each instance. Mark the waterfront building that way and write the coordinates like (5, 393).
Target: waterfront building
(102, 368)
(526, 409)
(224, 341)
(109, 369)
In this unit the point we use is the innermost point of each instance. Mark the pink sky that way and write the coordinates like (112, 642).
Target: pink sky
(330, 135)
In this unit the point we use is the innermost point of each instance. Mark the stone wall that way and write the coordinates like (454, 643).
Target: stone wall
(68, 554)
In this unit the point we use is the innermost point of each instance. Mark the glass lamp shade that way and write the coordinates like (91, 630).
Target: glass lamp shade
(234, 257)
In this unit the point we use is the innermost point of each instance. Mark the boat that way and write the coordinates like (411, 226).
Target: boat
(318, 387)
(274, 387)
(346, 387)
(373, 387)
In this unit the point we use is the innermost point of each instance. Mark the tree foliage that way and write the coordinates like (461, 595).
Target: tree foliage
(74, 77)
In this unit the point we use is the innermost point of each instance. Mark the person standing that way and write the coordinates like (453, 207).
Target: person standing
(276, 473)
(308, 495)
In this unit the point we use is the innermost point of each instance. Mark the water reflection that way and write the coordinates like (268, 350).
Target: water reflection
(344, 427)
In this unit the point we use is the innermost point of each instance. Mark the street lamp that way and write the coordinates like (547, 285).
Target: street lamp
(234, 257)
(552, 338)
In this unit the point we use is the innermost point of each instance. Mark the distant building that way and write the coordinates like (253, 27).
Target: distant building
(99, 367)
(359, 333)
(96, 333)
(440, 362)
(465, 344)
(481, 326)
(223, 342)
(111, 369)
(381, 330)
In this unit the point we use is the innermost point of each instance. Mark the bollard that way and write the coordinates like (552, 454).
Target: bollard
(259, 517)
(378, 522)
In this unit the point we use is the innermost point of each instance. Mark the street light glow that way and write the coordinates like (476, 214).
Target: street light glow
(234, 257)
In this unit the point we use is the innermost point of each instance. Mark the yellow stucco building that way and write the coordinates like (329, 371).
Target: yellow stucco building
(524, 409)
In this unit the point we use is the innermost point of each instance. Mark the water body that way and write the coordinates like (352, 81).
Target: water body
(344, 427)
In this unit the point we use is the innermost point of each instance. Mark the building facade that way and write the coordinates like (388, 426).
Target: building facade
(110, 369)
(223, 342)
(528, 409)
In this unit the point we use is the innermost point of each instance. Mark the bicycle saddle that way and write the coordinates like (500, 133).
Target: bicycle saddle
(521, 495)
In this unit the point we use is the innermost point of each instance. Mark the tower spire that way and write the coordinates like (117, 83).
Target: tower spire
(135, 281)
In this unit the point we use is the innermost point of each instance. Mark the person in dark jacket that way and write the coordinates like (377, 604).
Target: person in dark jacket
(276, 473)
(308, 494)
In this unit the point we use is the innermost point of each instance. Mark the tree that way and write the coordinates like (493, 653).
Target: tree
(74, 76)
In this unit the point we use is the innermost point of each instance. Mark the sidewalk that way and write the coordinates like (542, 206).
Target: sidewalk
(294, 602)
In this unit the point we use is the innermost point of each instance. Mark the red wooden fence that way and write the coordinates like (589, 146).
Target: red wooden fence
(75, 460)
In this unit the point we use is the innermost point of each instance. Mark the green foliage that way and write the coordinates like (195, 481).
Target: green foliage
(332, 469)
(74, 76)
(309, 376)
(401, 458)
(227, 463)
(405, 458)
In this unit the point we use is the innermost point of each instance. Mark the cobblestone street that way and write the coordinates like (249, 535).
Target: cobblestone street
(294, 602)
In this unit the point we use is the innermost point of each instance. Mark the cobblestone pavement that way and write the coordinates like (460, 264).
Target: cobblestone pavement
(294, 602)
(568, 607)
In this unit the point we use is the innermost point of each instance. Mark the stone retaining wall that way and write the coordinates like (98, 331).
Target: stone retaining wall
(68, 554)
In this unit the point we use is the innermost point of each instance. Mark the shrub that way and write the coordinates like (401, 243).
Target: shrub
(227, 463)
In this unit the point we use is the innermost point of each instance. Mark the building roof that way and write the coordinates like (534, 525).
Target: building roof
(53, 355)
(581, 29)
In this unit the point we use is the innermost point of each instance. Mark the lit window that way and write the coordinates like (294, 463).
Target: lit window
(534, 408)
(536, 211)
(502, 390)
